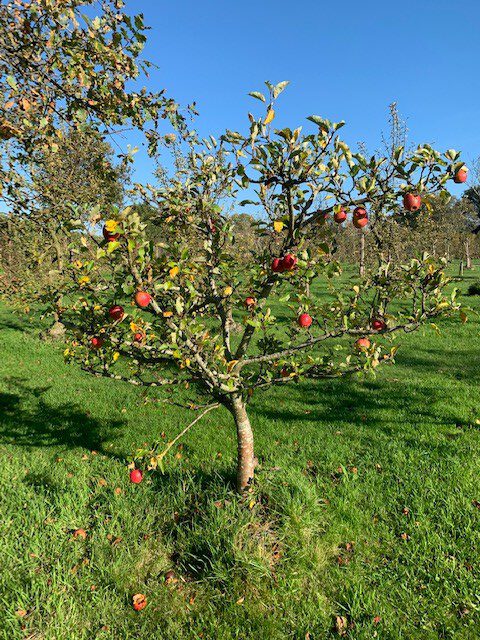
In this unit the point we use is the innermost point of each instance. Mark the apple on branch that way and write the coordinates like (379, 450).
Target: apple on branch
(461, 175)
(412, 202)
(143, 299)
(305, 320)
(362, 344)
(116, 312)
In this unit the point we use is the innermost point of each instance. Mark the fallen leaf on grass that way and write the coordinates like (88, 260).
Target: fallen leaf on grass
(21, 613)
(341, 625)
(240, 600)
(80, 533)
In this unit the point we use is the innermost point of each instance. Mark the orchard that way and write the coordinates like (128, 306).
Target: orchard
(239, 377)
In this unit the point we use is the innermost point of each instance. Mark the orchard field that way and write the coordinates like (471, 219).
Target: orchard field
(363, 521)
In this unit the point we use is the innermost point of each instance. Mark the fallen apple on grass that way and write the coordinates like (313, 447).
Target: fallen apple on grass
(136, 476)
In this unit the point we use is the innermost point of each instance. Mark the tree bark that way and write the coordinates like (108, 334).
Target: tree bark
(468, 258)
(245, 454)
(362, 254)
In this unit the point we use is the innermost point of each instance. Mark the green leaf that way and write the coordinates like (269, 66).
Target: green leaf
(280, 87)
(257, 95)
(12, 82)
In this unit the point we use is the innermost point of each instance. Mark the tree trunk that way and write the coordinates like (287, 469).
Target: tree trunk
(468, 259)
(245, 456)
(362, 254)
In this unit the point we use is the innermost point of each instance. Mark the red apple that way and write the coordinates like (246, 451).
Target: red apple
(139, 601)
(110, 237)
(250, 302)
(96, 342)
(412, 202)
(379, 325)
(136, 476)
(461, 175)
(340, 216)
(138, 337)
(360, 212)
(142, 298)
(359, 223)
(116, 312)
(304, 320)
(289, 262)
(362, 344)
(277, 265)
(284, 372)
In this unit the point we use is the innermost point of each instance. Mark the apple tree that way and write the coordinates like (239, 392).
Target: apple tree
(175, 313)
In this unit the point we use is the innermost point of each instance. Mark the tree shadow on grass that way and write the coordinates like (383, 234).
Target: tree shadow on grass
(27, 420)
(374, 411)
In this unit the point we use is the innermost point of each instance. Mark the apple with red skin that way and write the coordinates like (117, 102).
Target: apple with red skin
(143, 299)
(110, 237)
(379, 325)
(138, 337)
(136, 476)
(359, 223)
(340, 216)
(360, 212)
(96, 342)
(284, 372)
(139, 601)
(277, 265)
(412, 202)
(362, 344)
(116, 312)
(250, 302)
(289, 262)
(460, 176)
(304, 320)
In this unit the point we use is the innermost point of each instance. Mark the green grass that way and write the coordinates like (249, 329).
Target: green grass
(363, 505)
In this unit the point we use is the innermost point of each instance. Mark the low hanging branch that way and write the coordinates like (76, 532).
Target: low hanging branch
(158, 457)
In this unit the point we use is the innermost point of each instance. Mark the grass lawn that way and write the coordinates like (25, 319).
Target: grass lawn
(364, 507)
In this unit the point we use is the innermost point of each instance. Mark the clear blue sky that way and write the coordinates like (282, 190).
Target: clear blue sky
(346, 60)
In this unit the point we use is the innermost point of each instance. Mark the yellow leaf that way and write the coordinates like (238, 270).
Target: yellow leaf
(173, 272)
(84, 280)
(116, 356)
(278, 225)
(231, 364)
(227, 291)
(270, 116)
(251, 504)
(110, 225)
(167, 314)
